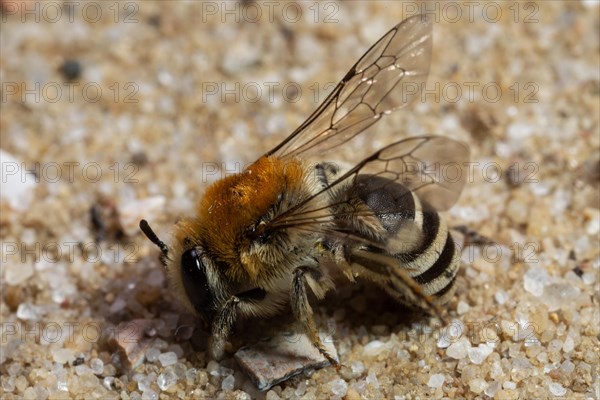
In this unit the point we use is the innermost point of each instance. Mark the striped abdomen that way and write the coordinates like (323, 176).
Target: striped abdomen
(412, 232)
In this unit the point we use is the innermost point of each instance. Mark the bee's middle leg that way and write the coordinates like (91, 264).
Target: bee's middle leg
(302, 309)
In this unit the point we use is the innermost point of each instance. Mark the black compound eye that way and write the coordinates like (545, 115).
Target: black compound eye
(195, 283)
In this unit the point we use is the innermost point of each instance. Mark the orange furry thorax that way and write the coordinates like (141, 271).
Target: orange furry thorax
(234, 204)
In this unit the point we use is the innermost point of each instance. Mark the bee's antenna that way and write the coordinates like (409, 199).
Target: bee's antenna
(145, 227)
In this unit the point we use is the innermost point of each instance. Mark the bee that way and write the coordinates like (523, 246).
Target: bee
(261, 238)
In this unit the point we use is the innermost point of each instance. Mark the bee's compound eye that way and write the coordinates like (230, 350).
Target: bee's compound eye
(195, 282)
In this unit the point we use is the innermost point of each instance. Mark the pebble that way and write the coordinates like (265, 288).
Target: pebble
(436, 380)
(301, 389)
(559, 295)
(28, 312)
(168, 358)
(152, 354)
(228, 383)
(130, 341)
(509, 385)
(478, 354)
(17, 274)
(132, 211)
(18, 185)
(339, 387)
(535, 280)
(568, 345)
(477, 385)
(462, 307)
(372, 380)
(63, 356)
(458, 350)
(108, 382)
(501, 297)
(166, 379)
(375, 348)
(97, 366)
(557, 389)
(149, 395)
(492, 388)
(277, 359)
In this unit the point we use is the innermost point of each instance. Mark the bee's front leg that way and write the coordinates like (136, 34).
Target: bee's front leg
(221, 327)
(225, 319)
(301, 308)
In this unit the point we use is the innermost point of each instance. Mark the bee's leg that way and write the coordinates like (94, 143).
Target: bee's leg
(221, 327)
(225, 319)
(326, 172)
(301, 307)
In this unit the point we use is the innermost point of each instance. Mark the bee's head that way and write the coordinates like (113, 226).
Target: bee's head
(190, 272)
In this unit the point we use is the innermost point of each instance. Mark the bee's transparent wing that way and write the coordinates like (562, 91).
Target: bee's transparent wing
(431, 167)
(387, 77)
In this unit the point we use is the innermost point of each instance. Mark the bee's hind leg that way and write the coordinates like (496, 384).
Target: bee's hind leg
(320, 284)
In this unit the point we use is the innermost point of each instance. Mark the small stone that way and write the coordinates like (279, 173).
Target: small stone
(509, 385)
(63, 356)
(436, 380)
(130, 341)
(301, 389)
(459, 349)
(28, 312)
(168, 358)
(357, 367)
(568, 345)
(71, 69)
(109, 382)
(17, 274)
(492, 389)
(149, 395)
(450, 334)
(14, 369)
(534, 280)
(97, 366)
(462, 307)
(589, 278)
(166, 379)
(339, 387)
(8, 383)
(372, 380)
(228, 383)
(559, 295)
(213, 368)
(144, 381)
(521, 369)
(152, 354)
(567, 366)
(131, 212)
(477, 385)
(30, 394)
(478, 354)
(501, 297)
(238, 57)
(82, 369)
(275, 360)
(555, 345)
(557, 389)
(374, 348)
(18, 185)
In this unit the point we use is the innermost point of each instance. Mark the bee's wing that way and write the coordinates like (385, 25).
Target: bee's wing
(432, 167)
(387, 77)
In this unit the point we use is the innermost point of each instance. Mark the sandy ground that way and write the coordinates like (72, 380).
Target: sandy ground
(115, 111)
